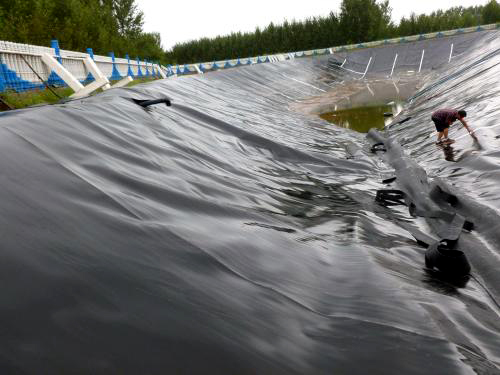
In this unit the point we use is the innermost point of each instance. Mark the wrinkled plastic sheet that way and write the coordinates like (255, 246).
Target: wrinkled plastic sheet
(230, 234)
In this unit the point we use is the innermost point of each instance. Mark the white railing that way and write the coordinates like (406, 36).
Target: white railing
(26, 67)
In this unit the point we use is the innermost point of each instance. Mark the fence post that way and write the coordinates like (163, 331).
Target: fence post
(394, 64)
(129, 72)
(54, 43)
(91, 53)
(367, 66)
(53, 78)
(139, 71)
(115, 76)
(421, 61)
(90, 76)
(2, 80)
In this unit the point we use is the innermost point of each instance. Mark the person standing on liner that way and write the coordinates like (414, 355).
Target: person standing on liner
(443, 118)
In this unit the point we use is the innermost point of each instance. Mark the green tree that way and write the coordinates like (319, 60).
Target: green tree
(129, 18)
(491, 12)
(104, 25)
(117, 25)
(364, 20)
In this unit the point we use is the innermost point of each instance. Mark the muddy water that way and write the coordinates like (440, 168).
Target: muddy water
(357, 93)
(362, 119)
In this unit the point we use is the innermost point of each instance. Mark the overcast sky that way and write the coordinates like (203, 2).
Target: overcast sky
(181, 21)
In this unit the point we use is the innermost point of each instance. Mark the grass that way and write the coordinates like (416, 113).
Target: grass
(140, 80)
(17, 100)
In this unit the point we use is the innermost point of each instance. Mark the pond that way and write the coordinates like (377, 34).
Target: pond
(362, 119)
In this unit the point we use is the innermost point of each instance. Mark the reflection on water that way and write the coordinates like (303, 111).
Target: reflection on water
(362, 119)
(449, 152)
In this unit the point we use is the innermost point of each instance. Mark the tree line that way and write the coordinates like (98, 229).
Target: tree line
(358, 21)
(117, 25)
(103, 25)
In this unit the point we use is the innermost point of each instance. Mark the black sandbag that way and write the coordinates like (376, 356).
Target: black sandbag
(450, 262)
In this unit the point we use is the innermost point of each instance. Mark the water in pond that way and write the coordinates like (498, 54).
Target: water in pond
(362, 119)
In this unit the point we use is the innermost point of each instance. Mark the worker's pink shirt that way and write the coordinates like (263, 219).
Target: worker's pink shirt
(445, 115)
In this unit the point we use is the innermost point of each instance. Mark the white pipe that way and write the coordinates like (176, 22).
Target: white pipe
(343, 63)
(160, 70)
(20, 53)
(62, 72)
(92, 68)
(197, 69)
(123, 82)
(352, 71)
(421, 60)
(367, 66)
(394, 64)
(396, 86)
(87, 90)
(451, 52)
(38, 54)
(304, 83)
(369, 89)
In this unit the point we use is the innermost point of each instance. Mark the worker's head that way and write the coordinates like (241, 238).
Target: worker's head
(462, 113)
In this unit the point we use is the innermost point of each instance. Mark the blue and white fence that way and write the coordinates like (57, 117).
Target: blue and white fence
(224, 64)
(26, 67)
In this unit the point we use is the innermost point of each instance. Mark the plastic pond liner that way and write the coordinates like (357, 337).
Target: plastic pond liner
(235, 231)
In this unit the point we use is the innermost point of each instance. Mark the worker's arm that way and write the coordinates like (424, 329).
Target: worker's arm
(464, 123)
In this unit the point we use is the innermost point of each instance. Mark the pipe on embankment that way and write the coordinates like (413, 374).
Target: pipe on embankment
(448, 212)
